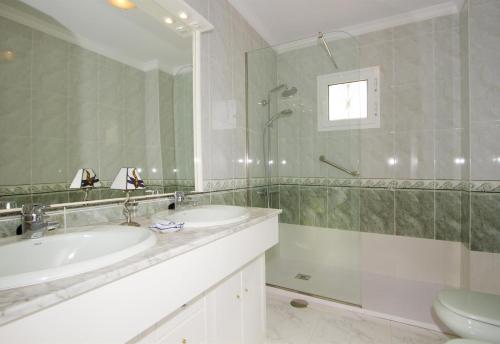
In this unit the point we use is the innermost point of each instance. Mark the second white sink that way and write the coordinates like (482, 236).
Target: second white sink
(34, 261)
(204, 216)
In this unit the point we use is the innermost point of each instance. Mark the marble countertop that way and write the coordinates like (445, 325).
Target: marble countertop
(20, 302)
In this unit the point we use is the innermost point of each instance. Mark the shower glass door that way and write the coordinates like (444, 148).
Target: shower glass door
(303, 104)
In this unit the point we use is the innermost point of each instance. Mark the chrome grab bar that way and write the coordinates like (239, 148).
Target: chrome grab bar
(331, 163)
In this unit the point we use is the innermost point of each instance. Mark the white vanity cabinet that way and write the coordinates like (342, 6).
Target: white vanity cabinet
(212, 294)
(253, 279)
(186, 327)
(236, 307)
(232, 312)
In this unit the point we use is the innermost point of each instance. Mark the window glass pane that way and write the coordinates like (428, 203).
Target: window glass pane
(348, 100)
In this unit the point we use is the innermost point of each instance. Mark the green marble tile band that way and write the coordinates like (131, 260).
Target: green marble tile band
(427, 214)
(448, 215)
(415, 213)
(377, 211)
(485, 222)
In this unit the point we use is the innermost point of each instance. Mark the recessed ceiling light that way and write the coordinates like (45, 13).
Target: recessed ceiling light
(169, 20)
(183, 15)
(122, 4)
(8, 55)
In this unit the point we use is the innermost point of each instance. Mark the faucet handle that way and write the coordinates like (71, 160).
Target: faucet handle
(33, 209)
(179, 196)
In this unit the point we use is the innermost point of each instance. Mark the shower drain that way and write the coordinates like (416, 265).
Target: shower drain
(299, 303)
(303, 277)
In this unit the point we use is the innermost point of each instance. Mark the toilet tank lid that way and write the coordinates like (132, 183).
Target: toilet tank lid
(478, 306)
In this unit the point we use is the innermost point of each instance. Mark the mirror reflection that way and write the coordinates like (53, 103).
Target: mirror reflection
(86, 89)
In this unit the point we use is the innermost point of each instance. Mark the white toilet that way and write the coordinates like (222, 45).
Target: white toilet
(471, 315)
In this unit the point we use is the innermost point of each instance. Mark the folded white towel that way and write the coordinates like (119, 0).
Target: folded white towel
(167, 227)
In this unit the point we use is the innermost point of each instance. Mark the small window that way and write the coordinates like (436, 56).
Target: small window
(349, 100)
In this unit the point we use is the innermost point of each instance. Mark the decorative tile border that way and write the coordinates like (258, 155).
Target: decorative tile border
(239, 183)
(485, 186)
(64, 187)
(391, 184)
(224, 184)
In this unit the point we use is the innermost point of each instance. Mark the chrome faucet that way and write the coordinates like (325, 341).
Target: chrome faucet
(179, 197)
(183, 200)
(34, 224)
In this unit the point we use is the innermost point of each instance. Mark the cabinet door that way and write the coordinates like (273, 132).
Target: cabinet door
(191, 331)
(224, 312)
(254, 306)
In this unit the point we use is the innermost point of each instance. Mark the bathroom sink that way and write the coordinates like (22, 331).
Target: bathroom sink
(33, 261)
(204, 216)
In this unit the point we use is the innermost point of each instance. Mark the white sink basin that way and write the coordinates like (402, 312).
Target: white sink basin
(204, 216)
(34, 261)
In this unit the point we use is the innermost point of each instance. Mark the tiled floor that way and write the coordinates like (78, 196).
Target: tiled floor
(286, 324)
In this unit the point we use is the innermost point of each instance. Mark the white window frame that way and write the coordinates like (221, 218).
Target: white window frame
(372, 75)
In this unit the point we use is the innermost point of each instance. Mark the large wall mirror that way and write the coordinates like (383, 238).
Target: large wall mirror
(93, 85)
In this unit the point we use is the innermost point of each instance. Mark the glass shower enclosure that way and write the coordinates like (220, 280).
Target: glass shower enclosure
(300, 164)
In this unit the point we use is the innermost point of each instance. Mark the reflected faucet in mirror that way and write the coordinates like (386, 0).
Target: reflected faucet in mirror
(85, 179)
(128, 179)
(34, 224)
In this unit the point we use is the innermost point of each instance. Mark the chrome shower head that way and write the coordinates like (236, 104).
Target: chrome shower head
(289, 92)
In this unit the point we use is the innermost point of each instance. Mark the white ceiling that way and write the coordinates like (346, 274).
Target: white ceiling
(132, 37)
(280, 21)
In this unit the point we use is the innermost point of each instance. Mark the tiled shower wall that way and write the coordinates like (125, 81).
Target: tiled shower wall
(420, 106)
(424, 128)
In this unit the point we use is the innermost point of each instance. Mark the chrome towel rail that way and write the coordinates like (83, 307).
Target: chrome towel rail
(331, 163)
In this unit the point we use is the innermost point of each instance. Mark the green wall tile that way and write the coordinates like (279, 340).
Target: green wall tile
(51, 198)
(377, 211)
(78, 195)
(258, 197)
(313, 206)
(448, 213)
(485, 222)
(240, 198)
(289, 203)
(222, 198)
(200, 199)
(343, 208)
(9, 225)
(274, 197)
(18, 200)
(465, 218)
(415, 213)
